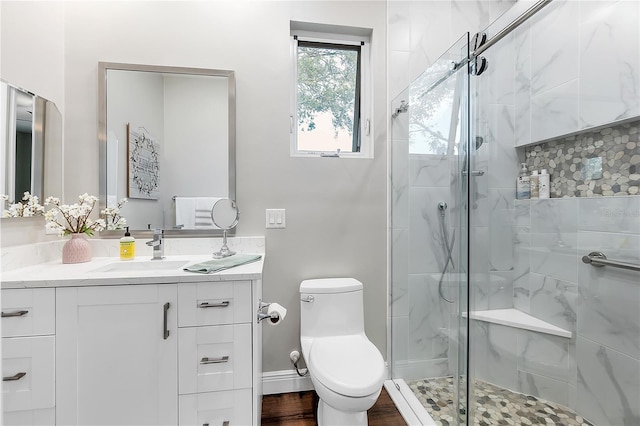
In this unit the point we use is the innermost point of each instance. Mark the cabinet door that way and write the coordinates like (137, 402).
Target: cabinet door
(116, 363)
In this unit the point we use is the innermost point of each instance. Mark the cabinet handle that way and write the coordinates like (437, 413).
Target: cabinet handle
(225, 423)
(222, 304)
(15, 377)
(222, 359)
(166, 314)
(14, 314)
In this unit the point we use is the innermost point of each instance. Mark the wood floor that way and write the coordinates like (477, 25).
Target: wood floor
(298, 409)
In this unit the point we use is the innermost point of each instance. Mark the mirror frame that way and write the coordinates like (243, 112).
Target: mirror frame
(103, 67)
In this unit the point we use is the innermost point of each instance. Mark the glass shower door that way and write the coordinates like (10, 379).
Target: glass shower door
(430, 126)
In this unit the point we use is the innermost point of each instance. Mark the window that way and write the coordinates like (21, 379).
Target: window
(331, 97)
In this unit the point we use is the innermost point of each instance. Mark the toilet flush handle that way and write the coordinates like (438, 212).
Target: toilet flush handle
(309, 298)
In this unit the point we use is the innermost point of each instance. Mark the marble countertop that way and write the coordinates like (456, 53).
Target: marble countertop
(138, 271)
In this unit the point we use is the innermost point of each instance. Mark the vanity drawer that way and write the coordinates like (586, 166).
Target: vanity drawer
(214, 358)
(28, 312)
(226, 302)
(29, 364)
(216, 408)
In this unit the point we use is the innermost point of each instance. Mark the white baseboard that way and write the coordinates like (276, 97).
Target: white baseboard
(284, 381)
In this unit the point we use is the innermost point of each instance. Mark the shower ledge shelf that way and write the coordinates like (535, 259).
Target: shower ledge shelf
(518, 319)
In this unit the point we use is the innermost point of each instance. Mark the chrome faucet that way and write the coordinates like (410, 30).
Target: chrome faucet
(157, 243)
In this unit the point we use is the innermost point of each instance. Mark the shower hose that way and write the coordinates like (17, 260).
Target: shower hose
(448, 248)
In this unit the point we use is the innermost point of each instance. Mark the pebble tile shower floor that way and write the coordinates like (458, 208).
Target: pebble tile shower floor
(494, 405)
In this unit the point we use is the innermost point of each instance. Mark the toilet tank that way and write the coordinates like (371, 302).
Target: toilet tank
(336, 307)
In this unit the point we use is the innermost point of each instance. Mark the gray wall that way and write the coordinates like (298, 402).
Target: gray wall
(336, 209)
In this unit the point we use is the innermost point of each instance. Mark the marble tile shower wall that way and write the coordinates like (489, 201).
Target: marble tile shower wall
(418, 33)
(577, 66)
(556, 76)
(597, 371)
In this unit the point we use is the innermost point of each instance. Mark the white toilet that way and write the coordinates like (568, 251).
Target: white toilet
(346, 369)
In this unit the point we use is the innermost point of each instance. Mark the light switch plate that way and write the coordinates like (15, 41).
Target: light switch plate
(276, 218)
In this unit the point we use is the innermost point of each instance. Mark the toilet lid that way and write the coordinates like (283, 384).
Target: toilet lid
(348, 365)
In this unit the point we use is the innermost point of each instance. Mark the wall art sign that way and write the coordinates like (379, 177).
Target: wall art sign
(143, 167)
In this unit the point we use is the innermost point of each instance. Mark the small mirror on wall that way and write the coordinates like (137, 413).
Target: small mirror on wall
(31, 145)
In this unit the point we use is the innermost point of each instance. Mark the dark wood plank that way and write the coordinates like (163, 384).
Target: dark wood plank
(298, 409)
(384, 412)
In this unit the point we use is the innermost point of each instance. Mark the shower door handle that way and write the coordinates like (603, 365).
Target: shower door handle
(473, 173)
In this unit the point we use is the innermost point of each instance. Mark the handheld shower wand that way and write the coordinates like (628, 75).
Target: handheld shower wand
(448, 247)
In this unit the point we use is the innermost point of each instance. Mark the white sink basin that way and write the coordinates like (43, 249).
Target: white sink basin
(148, 265)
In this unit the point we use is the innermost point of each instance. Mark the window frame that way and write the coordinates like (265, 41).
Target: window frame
(364, 87)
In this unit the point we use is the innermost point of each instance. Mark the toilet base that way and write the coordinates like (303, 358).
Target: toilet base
(329, 416)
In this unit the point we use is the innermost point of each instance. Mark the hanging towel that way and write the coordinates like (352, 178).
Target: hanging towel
(195, 212)
(185, 209)
(216, 265)
(202, 216)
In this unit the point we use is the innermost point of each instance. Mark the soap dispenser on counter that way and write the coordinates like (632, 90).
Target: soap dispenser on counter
(127, 246)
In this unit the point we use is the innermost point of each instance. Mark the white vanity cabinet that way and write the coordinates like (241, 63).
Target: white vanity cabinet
(28, 356)
(215, 353)
(158, 354)
(117, 355)
(91, 344)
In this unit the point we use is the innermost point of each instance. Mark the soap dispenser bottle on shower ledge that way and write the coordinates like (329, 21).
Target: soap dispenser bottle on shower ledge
(523, 186)
(534, 180)
(543, 183)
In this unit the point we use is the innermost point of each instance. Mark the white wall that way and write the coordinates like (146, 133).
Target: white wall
(32, 57)
(336, 218)
(137, 99)
(195, 134)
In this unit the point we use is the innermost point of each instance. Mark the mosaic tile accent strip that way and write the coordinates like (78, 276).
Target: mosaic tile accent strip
(493, 405)
(605, 162)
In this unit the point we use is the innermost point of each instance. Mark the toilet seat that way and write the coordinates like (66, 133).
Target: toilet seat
(348, 365)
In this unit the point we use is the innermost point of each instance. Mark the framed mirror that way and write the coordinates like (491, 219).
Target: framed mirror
(167, 144)
(30, 144)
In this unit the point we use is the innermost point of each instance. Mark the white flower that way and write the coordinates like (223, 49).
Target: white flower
(112, 218)
(28, 206)
(75, 217)
(52, 200)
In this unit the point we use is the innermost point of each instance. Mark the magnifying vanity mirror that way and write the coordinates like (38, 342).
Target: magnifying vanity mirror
(30, 144)
(225, 215)
(167, 144)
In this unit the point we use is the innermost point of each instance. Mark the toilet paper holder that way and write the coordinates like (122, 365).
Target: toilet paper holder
(262, 311)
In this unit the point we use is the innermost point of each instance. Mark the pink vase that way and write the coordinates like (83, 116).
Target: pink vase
(76, 250)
